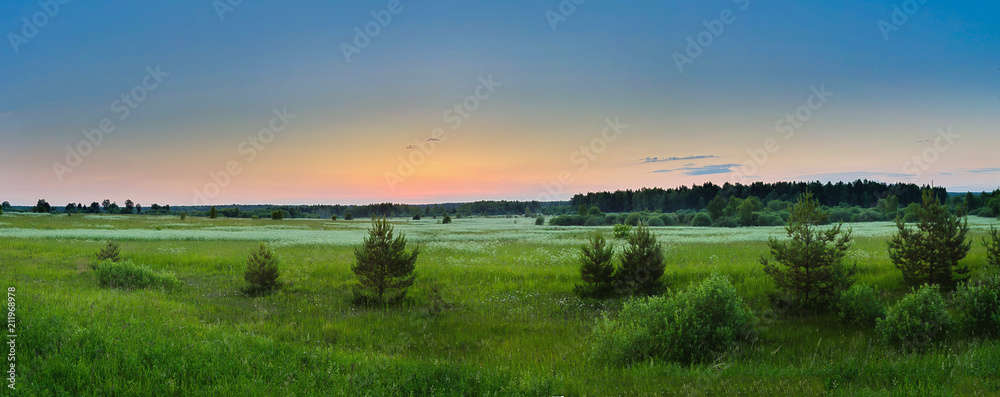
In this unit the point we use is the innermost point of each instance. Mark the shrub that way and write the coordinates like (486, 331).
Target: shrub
(701, 220)
(348, 216)
(809, 266)
(416, 217)
(642, 264)
(693, 326)
(252, 217)
(656, 222)
(561, 220)
(111, 252)
(262, 272)
(978, 306)
(540, 221)
(993, 247)
(725, 221)
(278, 215)
(383, 266)
(127, 275)
(610, 219)
(447, 219)
(669, 220)
(930, 254)
(333, 217)
(770, 219)
(840, 215)
(860, 305)
(594, 221)
(213, 213)
(596, 268)
(870, 216)
(184, 215)
(622, 231)
(918, 321)
(633, 219)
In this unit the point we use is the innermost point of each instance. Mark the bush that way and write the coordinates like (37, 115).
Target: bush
(540, 221)
(262, 272)
(622, 231)
(642, 264)
(447, 219)
(383, 266)
(669, 220)
(693, 326)
(278, 215)
(596, 268)
(918, 321)
(656, 222)
(416, 217)
(870, 216)
(993, 247)
(110, 252)
(840, 215)
(333, 217)
(184, 215)
(978, 306)
(252, 217)
(701, 220)
(127, 275)
(610, 219)
(770, 219)
(860, 305)
(633, 219)
(348, 216)
(725, 221)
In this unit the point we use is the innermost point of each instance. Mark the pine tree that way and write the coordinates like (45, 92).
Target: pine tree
(111, 251)
(212, 213)
(642, 264)
(383, 266)
(993, 247)
(930, 254)
(596, 268)
(262, 271)
(808, 268)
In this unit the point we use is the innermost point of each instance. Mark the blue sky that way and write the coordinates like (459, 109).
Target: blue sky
(354, 120)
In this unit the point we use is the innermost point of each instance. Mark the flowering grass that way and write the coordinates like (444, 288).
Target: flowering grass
(504, 322)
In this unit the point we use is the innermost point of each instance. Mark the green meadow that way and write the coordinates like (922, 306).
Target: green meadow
(492, 313)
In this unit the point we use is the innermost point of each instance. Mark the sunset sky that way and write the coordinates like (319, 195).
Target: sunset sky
(886, 82)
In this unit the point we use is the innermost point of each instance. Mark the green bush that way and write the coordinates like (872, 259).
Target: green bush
(655, 222)
(333, 217)
(622, 231)
(416, 217)
(770, 219)
(127, 275)
(633, 219)
(860, 305)
(540, 221)
(917, 321)
(594, 221)
(348, 216)
(725, 221)
(669, 220)
(978, 306)
(278, 215)
(262, 272)
(693, 326)
(446, 220)
(702, 220)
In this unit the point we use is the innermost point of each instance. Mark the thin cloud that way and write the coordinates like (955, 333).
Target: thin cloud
(675, 158)
(433, 140)
(411, 147)
(987, 170)
(703, 170)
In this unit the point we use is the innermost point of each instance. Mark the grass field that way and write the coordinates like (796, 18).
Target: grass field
(492, 313)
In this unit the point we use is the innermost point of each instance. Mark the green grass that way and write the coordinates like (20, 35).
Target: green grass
(510, 324)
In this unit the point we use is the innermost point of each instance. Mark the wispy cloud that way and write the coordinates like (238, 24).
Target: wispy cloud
(704, 170)
(851, 176)
(675, 158)
(987, 170)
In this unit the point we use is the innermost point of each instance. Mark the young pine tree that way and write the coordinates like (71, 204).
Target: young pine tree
(642, 264)
(111, 251)
(383, 265)
(993, 247)
(213, 213)
(930, 254)
(262, 272)
(596, 268)
(808, 268)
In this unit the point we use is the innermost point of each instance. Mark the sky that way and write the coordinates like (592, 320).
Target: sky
(418, 101)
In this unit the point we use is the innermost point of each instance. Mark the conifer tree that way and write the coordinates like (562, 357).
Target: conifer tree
(930, 254)
(596, 268)
(383, 266)
(262, 271)
(642, 264)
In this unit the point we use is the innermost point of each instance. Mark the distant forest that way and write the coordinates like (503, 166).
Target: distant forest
(697, 198)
